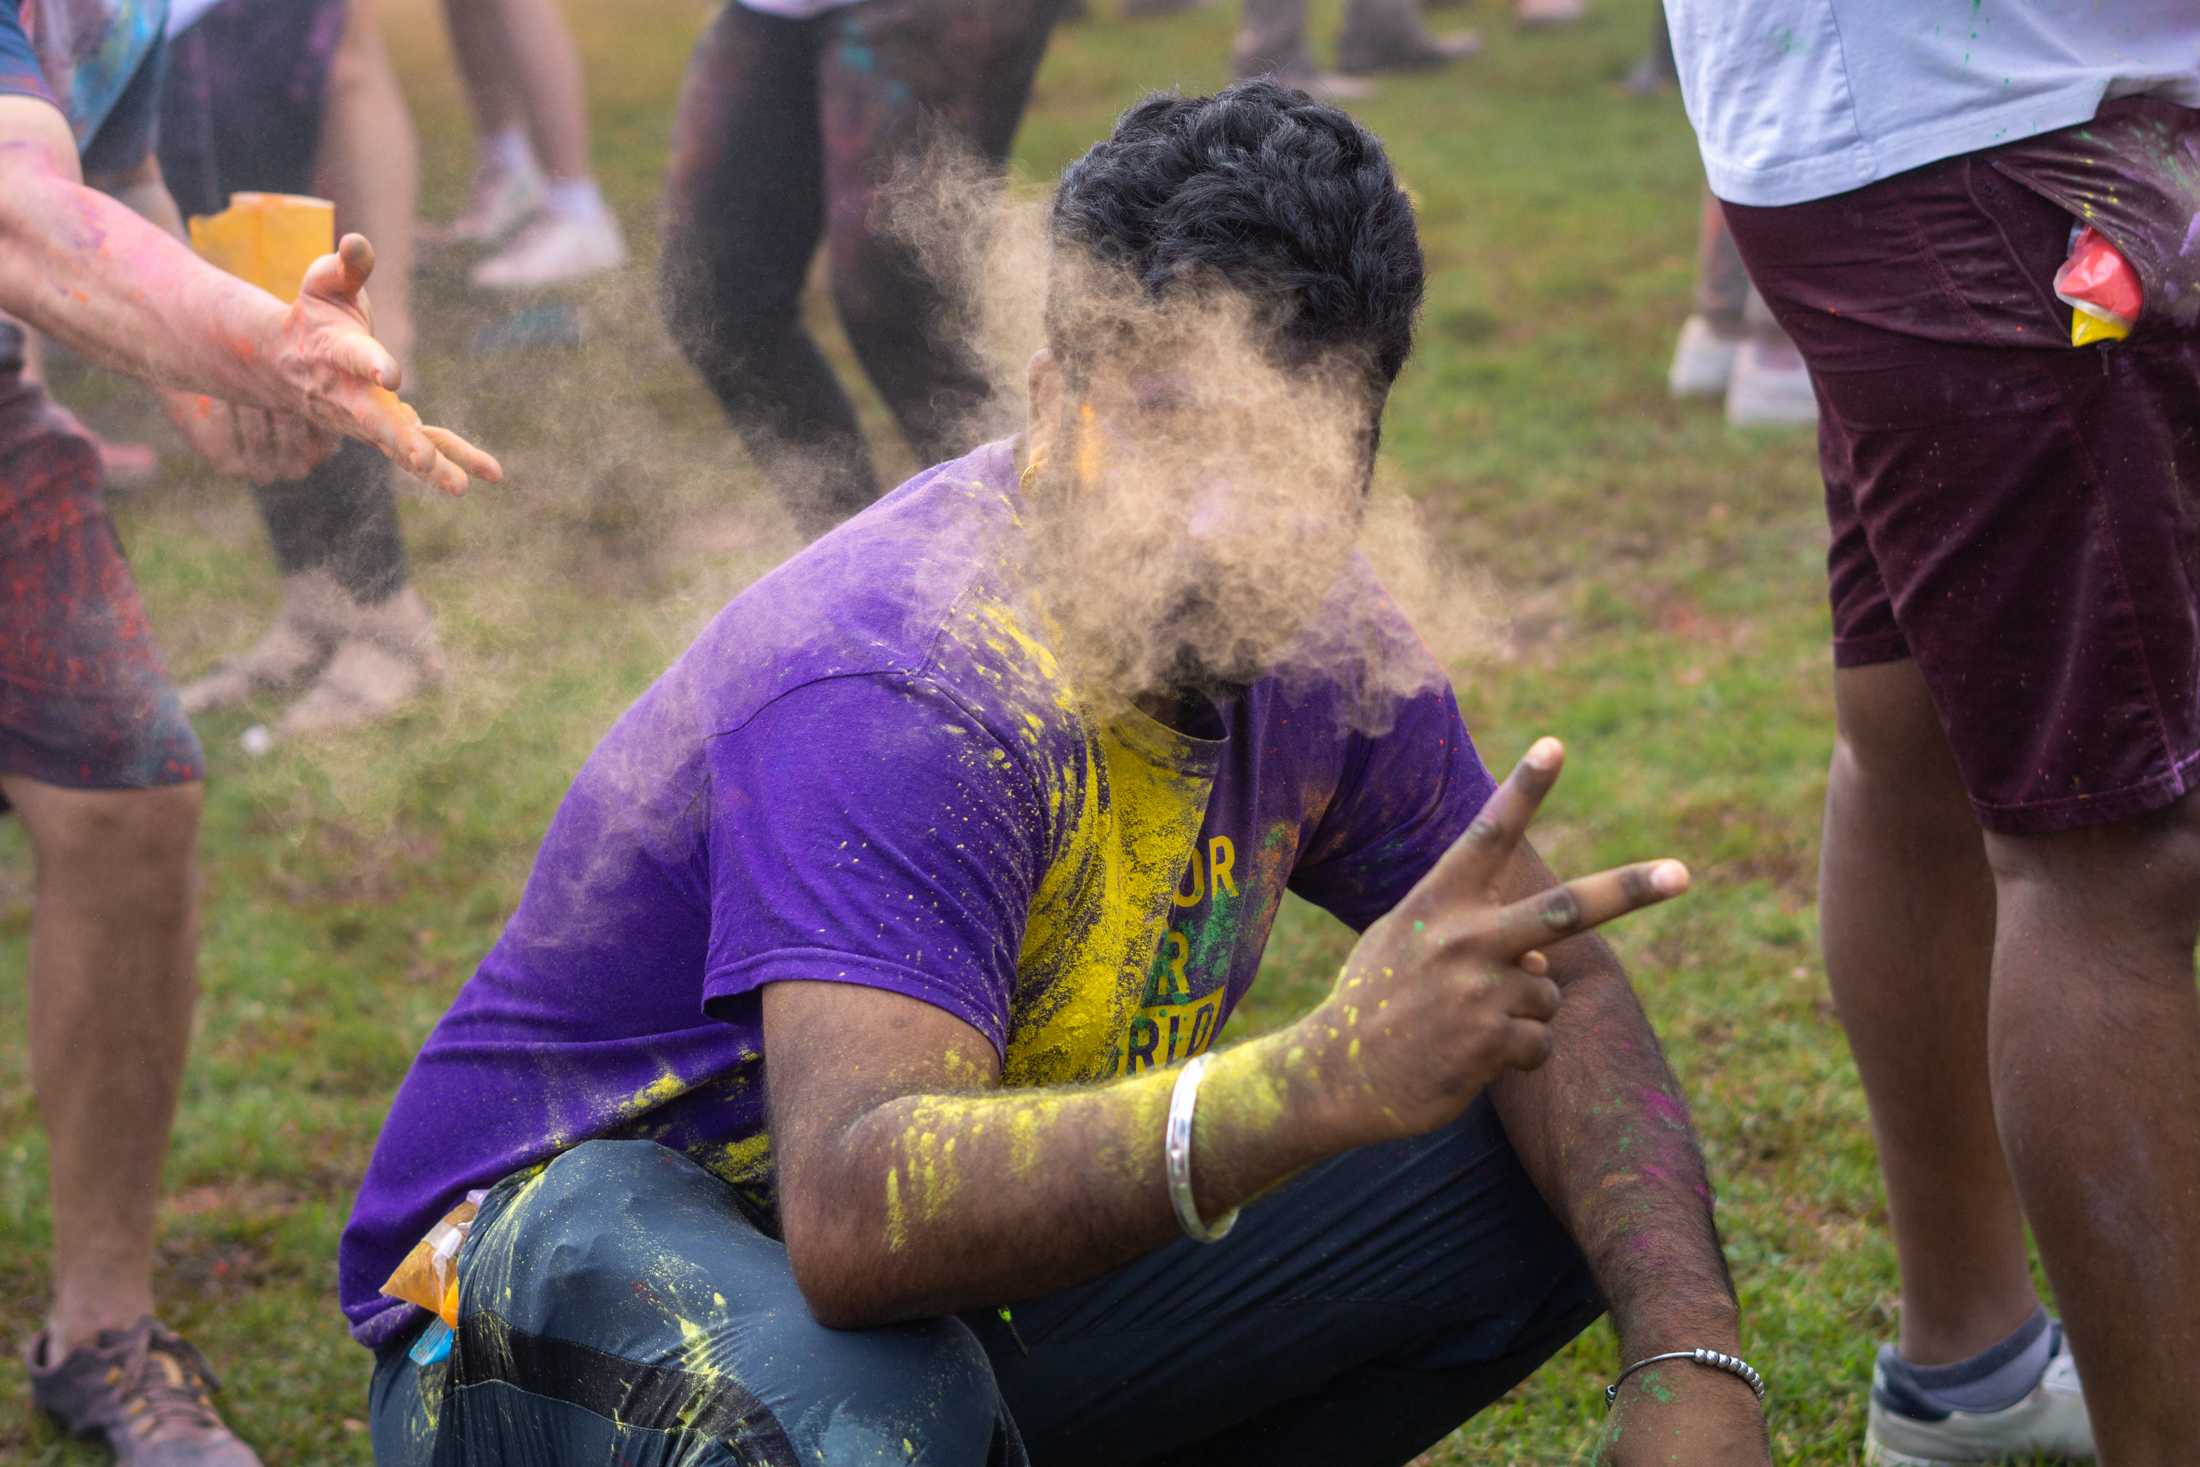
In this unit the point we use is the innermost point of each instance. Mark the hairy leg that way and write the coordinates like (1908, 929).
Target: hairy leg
(2095, 1045)
(114, 937)
(1906, 907)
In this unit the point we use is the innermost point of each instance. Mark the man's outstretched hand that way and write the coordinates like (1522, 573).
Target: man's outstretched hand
(1450, 990)
(345, 381)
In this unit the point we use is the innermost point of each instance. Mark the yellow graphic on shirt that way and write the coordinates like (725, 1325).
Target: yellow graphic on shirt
(1127, 945)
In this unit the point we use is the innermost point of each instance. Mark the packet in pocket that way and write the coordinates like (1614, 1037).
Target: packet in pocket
(428, 1276)
(2130, 177)
(2101, 289)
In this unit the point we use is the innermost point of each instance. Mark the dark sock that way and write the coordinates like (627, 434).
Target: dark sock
(1994, 1379)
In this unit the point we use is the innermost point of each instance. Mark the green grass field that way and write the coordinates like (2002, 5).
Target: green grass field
(1663, 577)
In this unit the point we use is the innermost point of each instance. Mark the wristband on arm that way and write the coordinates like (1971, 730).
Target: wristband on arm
(1177, 1149)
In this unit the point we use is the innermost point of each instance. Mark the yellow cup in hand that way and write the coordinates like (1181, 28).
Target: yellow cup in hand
(268, 239)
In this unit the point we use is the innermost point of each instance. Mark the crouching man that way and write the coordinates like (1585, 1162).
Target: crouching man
(843, 1088)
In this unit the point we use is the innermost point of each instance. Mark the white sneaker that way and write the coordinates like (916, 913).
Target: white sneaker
(1703, 359)
(553, 250)
(1770, 386)
(500, 199)
(2051, 1421)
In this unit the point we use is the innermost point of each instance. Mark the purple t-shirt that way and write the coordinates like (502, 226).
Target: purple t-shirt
(870, 769)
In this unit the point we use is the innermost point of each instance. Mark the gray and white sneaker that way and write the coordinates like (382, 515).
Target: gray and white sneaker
(1904, 1429)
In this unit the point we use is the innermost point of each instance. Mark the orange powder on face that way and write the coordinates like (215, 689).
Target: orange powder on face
(1088, 445)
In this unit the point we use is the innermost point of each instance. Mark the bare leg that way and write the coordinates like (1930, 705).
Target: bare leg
(2095, 1044)
(536, 48)
(114, 938)
(1271, 39)
(477, 40)
(369, 162)
(573, 234)
(1906, 907)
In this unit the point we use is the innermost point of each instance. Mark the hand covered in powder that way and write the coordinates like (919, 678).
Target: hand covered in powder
(1450, 990)
(344, 380)
(247, 442)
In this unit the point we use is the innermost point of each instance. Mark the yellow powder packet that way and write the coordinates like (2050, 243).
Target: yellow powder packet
(429, 1274)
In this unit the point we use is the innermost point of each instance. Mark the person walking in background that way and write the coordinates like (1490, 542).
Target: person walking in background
(794, 117)
(296, 96)
(534, 192)
(2010, 892)
(96, 757)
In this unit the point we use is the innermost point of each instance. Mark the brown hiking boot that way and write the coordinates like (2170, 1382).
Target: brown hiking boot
(145, 1390)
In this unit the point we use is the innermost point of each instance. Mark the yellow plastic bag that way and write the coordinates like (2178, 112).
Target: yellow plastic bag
(429, 1274)
(268, 239)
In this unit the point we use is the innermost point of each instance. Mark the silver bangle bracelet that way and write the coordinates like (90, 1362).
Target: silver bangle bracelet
(1717, 1360)
(1177, 1150)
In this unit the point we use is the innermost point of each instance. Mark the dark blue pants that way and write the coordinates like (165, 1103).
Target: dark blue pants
(621, 1308)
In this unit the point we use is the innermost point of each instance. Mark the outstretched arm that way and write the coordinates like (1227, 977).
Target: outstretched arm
(90, 272)
(248, 442)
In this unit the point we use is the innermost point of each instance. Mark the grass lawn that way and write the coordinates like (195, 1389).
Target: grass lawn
(1662, 574)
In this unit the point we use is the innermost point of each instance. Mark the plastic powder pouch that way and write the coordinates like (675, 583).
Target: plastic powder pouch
(428, 1276)
(2100, 287)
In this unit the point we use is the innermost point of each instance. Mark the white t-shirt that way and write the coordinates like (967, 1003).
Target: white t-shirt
(1794, 100)
(796, 9)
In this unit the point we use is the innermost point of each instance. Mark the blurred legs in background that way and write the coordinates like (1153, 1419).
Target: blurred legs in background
(353, 634)
(533, 181)
(1731, 347)
(788, 132)
(1376, 35)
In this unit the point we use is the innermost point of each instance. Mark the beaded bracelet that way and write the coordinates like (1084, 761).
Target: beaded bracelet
(1717, 1360)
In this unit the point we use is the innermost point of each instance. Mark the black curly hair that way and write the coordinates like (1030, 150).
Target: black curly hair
(1262, 190)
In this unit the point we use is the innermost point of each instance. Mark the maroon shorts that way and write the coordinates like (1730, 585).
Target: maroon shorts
(2020, 516)
(84, 700)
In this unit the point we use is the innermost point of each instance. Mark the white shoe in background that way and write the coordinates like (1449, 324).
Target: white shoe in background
(2051, 1421)
(1770, 387)
(556, 248)
(1703, 359)
(503, 196)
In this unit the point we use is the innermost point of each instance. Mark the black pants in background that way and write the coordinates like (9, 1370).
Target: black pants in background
(788, 133)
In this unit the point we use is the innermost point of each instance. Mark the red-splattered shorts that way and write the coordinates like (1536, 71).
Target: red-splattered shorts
(85, 700)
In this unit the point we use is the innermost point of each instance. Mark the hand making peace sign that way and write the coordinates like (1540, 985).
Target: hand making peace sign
(1450, 989)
